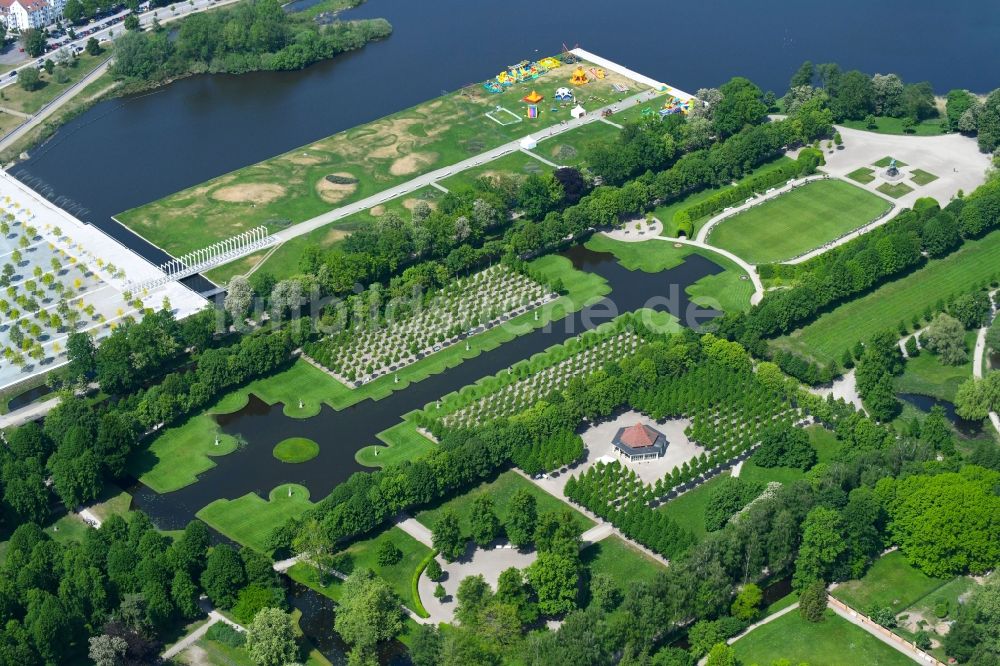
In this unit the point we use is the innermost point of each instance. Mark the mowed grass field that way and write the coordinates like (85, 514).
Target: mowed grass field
(826, 338)
(362, 161)
(832, 642)
(797, 221)
(623, 562)
(890, 582)
(249, 520)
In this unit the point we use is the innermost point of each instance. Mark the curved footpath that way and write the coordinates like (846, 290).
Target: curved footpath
(977, 359)
(758, 286)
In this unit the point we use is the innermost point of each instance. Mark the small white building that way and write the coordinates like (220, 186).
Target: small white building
(528, 143)
(21, 15)
(578, 111)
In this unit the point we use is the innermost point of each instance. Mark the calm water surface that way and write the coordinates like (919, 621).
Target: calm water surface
(124, 153)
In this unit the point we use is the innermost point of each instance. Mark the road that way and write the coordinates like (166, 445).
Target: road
(21, 130)
(432, 177)
(31, 412)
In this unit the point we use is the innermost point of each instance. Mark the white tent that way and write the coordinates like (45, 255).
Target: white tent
(529, 143)
(578, 111)
(564, 94)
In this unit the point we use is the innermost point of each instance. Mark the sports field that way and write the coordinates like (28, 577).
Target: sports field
(798, 221)
(826, 338)
(362, 161)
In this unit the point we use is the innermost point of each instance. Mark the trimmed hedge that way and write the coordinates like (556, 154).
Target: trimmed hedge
(418, 605)
(804, 165)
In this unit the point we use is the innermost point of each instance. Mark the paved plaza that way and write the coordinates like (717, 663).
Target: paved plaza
(60, 275)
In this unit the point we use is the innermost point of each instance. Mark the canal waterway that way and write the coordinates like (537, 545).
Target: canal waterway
(340, 434)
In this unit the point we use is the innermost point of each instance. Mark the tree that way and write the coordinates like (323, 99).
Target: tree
(107, 650)
(958, 102)
(887, 90)
(473, 595)
(721, 655)
(368, 613)
(972, 309)
(822, 545)
(940, 235)
(387, 553)
(747, 602)
(988, 123)
(974, 637)
(484, 521)
(34, 41)
(804, 75)
(425, 648)
(73, 11)
(785, 446)
(433, 570)
(522, 518)
(554, 578)
(184, 594)
(271, 639)
(946, 337)
(29, 79)
(80, 350)
(740, 106)
(853, 98)
(447, 536)
(605, 592)
(223, 576)
(944, 523)
(93, 46)
(813, 601)
(132, 23)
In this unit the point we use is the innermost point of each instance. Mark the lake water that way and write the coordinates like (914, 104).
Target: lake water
(124, 153)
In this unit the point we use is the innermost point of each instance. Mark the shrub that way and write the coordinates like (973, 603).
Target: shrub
(387, 554)
(812, 601)
(731, 495)
(785, 446)
(434, 571)
(941, 609)
(883, 615)
(222, 632)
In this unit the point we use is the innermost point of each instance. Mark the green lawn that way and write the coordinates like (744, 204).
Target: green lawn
(620, 560)
(363, 556)
(832, 642)
(725, 290)
(402, 442)
(515, 164)
(570, 148)
(689, 509)
(296, 450)
(864, 175)
(30, 101)
(501, 489)
(827, 337)
(921, 177)
(891, 582)
(887, 160)
(665, 213)
(926, 375)
(293, 187)
(249, 520)
(894, 190)
(887, 125)
(797, 221)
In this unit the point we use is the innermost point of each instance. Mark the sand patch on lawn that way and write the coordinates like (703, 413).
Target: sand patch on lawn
(335, 192)
(411, 203)
(334, 235)
(412, 163)
(255, 193)
(376, 211)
